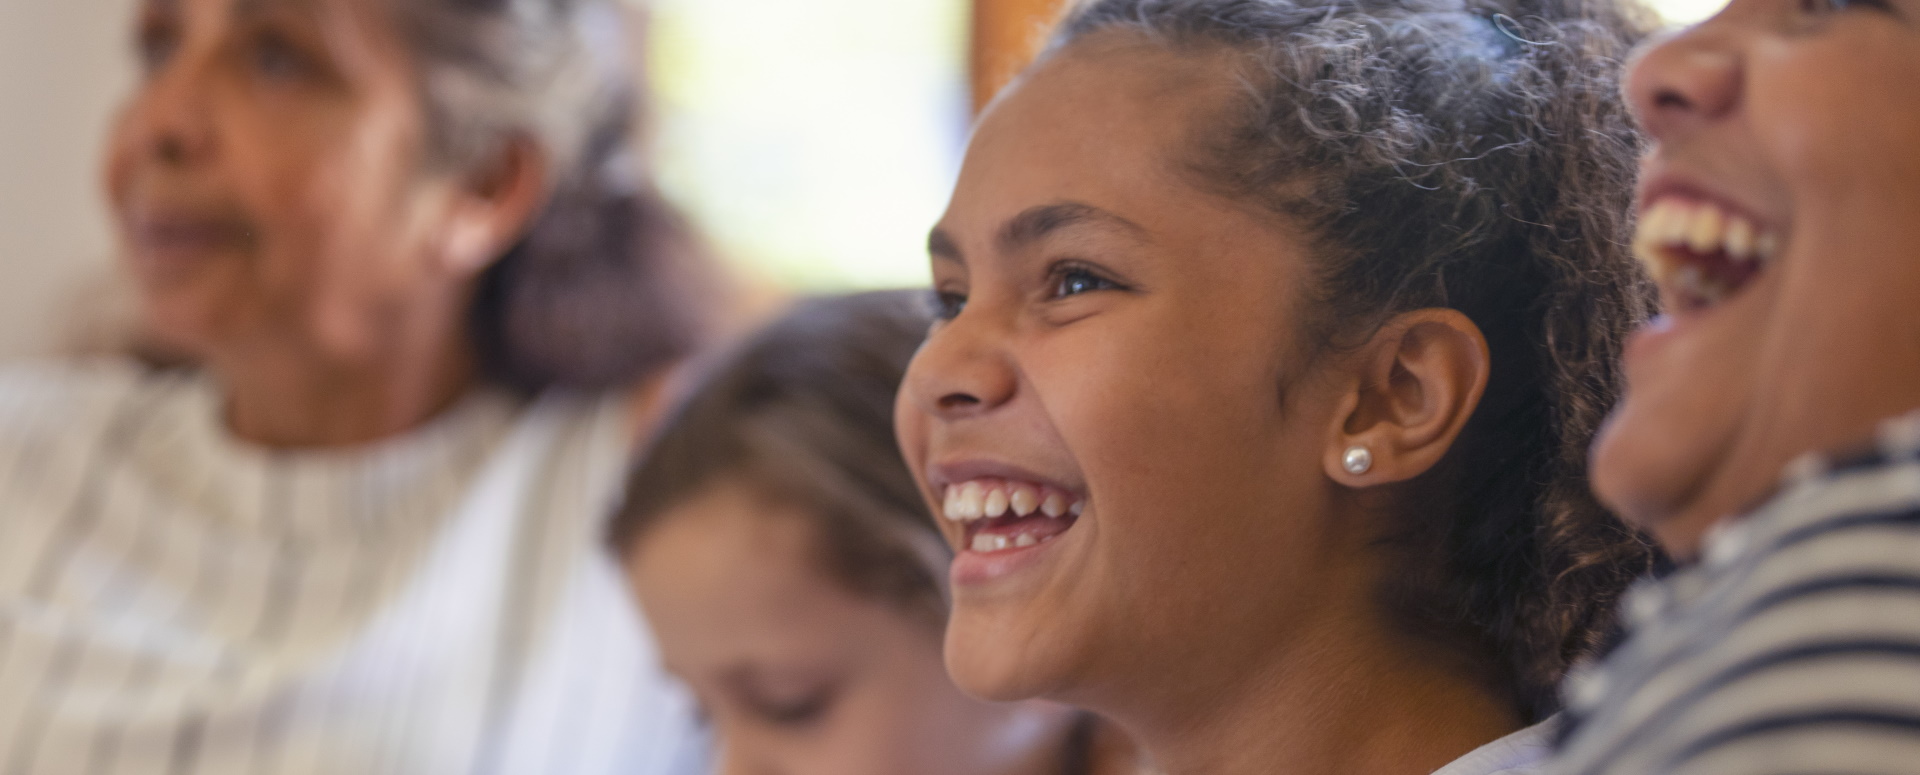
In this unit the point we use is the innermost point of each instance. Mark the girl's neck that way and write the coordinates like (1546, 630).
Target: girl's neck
(1377, 705)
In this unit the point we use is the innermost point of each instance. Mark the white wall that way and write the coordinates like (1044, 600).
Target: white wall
(63, 67)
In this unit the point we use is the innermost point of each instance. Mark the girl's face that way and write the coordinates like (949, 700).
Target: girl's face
(266, 175)
(796, 674)
(1116, 361)
(1777, 208)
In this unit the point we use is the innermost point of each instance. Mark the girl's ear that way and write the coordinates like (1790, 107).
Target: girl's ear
(494, 205)
(1412, 388)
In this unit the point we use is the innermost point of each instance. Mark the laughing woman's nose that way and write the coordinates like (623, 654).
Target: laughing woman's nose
(1689, 80)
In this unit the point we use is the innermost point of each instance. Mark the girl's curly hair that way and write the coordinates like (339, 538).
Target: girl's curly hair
(1476, 155)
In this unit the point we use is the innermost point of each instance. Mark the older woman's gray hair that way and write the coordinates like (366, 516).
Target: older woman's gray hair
(603, 286)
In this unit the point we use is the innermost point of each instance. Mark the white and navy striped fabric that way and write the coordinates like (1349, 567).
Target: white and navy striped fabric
(1792, 648)
(175, 601)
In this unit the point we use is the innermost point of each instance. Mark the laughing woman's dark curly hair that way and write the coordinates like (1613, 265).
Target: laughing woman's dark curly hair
(1477, 156)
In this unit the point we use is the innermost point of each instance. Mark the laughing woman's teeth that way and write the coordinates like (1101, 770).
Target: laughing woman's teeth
(1740, 240)
(1704, 236)
(1054, 506)
(1676, 225)
(1675, 235)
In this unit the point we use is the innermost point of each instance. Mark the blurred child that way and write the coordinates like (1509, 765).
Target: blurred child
(780, 548)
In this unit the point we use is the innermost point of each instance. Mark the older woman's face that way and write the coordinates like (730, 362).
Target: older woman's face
(1777, 208)
(265, 175)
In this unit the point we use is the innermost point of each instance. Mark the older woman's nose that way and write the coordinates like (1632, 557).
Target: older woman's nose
(959, 372)
(1687, 81)
(171, 120)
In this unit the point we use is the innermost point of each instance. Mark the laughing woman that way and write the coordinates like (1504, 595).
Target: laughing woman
(1273, 337)
(409, 246)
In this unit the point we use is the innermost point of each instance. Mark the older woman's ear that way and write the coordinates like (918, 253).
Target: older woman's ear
(1413, 387)
(493, 205)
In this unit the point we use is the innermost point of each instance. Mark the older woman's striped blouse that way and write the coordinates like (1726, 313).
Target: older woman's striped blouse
(175, 601)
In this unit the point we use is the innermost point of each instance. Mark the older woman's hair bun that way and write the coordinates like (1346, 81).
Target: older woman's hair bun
(609, 282)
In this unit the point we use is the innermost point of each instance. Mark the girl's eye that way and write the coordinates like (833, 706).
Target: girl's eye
(1073, 281)
(947, 304)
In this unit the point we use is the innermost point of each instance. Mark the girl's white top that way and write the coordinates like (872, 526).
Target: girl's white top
(173, 600)
(1522, 753)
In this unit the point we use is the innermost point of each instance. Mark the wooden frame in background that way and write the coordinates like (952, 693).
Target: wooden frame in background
(1006, 34)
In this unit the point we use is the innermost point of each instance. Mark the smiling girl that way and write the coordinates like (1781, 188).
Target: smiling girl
(1272, 339)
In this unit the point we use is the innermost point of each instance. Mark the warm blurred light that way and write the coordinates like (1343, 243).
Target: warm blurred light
(1687, 11)
(816, 142)
(1006, 35)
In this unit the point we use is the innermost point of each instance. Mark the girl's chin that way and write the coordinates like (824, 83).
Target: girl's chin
(994, 674)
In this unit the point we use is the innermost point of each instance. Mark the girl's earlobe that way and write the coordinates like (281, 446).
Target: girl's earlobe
(1357, 460)
(1411, 392)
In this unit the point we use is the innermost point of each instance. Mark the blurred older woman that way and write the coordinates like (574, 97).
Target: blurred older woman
(427, 288)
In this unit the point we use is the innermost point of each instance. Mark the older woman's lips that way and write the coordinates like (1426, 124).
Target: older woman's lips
(175, 243)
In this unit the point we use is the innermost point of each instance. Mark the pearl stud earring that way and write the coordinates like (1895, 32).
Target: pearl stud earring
(1357, 460)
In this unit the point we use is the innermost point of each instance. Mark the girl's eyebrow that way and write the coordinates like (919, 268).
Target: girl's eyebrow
(1034, 224)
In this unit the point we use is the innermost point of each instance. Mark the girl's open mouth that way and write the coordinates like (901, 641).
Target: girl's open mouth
(1700, 252)
(1002, 515)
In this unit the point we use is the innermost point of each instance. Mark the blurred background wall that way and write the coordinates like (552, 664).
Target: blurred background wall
(814, 141)
(63, 65)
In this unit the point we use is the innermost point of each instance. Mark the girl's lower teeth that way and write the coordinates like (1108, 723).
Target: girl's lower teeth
(997, 542)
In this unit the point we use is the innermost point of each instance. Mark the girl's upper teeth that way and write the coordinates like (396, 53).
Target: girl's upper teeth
(996, 503)
(989, 498)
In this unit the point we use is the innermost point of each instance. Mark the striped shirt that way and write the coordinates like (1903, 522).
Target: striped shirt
(174, 600)
(1792, 647)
